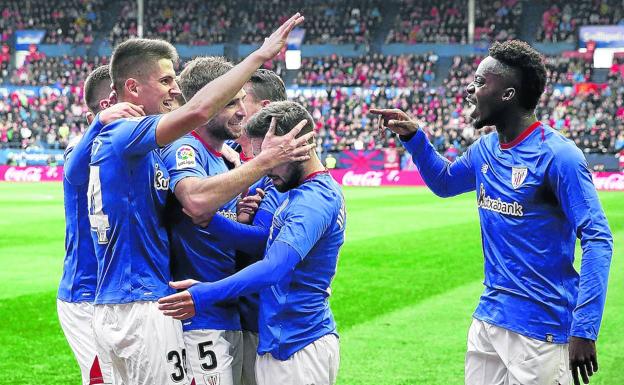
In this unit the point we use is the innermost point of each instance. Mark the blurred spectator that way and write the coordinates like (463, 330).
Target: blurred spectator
(422, 21)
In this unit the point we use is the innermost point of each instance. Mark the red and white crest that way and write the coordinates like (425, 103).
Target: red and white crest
(518, 175)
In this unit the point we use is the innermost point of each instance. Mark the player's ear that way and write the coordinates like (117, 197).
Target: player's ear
(265, 103)
(104, 104)
(509, 94)
(90, 117)
(132, 86)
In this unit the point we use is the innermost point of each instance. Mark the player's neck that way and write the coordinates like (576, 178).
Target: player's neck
(215, 143)
(311, 166)
(513, 125)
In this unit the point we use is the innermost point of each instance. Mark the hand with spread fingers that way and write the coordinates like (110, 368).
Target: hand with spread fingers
(583, 359)
(274, 43)
(180, 305)
(396, 120)
(287, 148)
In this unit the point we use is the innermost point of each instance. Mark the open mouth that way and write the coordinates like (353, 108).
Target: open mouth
(168, 104)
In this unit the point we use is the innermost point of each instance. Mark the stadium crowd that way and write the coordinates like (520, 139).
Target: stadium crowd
(560, 22)
(341, 111)
(71, 21)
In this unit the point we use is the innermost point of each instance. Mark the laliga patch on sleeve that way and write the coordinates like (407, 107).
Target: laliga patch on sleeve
(185, 157)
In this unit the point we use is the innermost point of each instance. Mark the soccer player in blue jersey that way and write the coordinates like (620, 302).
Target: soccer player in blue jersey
(298, 337)
(213, 338)
(263, 88)
(538, 319)
(128, 185)
(77, 286)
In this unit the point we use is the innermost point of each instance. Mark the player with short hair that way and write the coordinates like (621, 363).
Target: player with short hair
(537, 319)
(128, 184)
(298, 338)
(78, 282)
(213, 338)
(263, 88)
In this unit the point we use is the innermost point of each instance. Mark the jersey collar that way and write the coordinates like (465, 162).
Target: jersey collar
(521, 137)
(314, 174)
(208, 147)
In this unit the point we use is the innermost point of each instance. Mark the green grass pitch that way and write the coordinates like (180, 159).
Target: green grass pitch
(409, 277)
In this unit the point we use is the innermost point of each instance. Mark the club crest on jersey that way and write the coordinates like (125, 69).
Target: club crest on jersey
(161, 182)
(185, 157)
(484, 168)
(518, 175)
(212, 379)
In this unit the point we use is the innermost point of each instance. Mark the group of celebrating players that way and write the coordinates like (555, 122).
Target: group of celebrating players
(157, 201)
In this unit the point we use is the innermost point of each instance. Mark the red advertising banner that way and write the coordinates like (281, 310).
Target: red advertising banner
(31, 174)
(606, 181)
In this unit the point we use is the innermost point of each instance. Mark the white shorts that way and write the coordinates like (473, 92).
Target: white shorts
(75, 319)
(315, 364)
(498, 356)
(215, 357)
(250, 351)
(144, 346)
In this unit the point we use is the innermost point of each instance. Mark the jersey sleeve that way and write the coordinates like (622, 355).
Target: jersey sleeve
(269, 205)
(572, 183)
(77, 158)
(135, 136)
(444, 178)
(305, 221)
(182, 160)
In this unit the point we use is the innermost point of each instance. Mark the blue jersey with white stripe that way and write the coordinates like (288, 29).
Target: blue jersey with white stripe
(249, 305)
(535, 197)
(295, 312)
(128, 185)
(196, 253)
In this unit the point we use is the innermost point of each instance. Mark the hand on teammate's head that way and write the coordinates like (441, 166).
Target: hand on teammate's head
(287, 148)
(273, 44)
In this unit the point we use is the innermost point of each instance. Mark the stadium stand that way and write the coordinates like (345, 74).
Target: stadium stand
(338, 90)
(561, 20)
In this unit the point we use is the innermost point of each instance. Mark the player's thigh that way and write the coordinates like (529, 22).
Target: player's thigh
(317, 364)
(537, 362)
(212, 355)
(483, 365)
(144, 346)
(250, 349)
(76, 320)
(235, 338)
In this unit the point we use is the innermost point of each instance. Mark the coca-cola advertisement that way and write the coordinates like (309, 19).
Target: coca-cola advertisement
(31, 174)
(604, 181)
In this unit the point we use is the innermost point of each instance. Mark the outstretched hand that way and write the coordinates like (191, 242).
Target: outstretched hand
(274, 43)
(287, 148)
(396, 120)
(583, 359)
(180, 305)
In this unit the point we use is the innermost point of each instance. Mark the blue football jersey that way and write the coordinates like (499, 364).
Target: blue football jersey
(195, 252)
(249, 305)
(79, 277)
(128, 185)
(295, 312)
(535, 197)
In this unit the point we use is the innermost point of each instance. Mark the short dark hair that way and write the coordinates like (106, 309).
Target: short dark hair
(529, 63)
(97, 87)
(131, 57)
(288, 114)
(201, 71)
(266, 85)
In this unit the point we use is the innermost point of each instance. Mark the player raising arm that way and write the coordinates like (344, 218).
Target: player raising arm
(128, 184)
(535, 197)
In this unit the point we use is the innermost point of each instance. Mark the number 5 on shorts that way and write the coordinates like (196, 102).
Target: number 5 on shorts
(204, 352)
